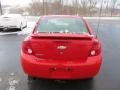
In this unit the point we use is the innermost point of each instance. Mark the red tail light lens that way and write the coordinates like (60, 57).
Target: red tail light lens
(96, 49)
(26, 47)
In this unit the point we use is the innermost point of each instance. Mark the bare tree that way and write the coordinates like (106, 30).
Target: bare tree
(35, 7)
(84, 6)
(92, 6)
(43, 6)
(113, 5)
(74, 6)
(107, 2)
(62, 8)
(16, 10)
(57, 7)
(77, 7)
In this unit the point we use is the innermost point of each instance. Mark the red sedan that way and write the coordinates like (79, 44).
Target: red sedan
(61, 47)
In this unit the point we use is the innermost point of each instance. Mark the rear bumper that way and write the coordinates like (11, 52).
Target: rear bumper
(9, 27)
(60, 70)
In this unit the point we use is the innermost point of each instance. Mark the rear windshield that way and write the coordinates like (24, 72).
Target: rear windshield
(61, 25)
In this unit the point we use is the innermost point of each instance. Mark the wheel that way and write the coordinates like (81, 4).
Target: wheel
(90, 79)
(30, 78)
(1, 29)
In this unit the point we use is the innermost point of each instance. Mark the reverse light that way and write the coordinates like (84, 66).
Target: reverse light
(29, 50)
(96, 49)
(26, 47)
(93, 52)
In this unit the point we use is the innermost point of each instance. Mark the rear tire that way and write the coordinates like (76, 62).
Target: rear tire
(31, 78)
(90, 79)
(1, 29)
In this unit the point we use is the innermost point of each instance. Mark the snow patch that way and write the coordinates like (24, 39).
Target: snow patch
(11, 88)
(12, 82)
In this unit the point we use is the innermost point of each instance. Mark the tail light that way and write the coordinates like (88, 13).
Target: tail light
(26, 48)
(96, 49)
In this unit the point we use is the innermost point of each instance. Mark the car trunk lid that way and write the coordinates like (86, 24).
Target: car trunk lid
(61, 46)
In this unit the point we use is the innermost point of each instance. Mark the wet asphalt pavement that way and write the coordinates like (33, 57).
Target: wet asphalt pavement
(13, 78)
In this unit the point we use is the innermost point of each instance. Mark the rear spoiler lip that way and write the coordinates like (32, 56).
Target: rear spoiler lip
(77, 37)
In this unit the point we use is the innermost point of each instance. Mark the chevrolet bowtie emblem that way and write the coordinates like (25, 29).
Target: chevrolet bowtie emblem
(61, 47)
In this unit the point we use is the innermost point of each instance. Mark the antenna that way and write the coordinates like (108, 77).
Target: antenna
(97, 31)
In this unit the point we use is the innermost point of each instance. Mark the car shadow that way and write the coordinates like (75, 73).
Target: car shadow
(9, 30)
(40, 84)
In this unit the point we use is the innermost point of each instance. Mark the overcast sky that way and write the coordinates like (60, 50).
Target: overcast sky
(21, 2)
(15, 2)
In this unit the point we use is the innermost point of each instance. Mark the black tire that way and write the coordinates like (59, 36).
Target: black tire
(90, 79)
(31, 78)
(1, 29)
